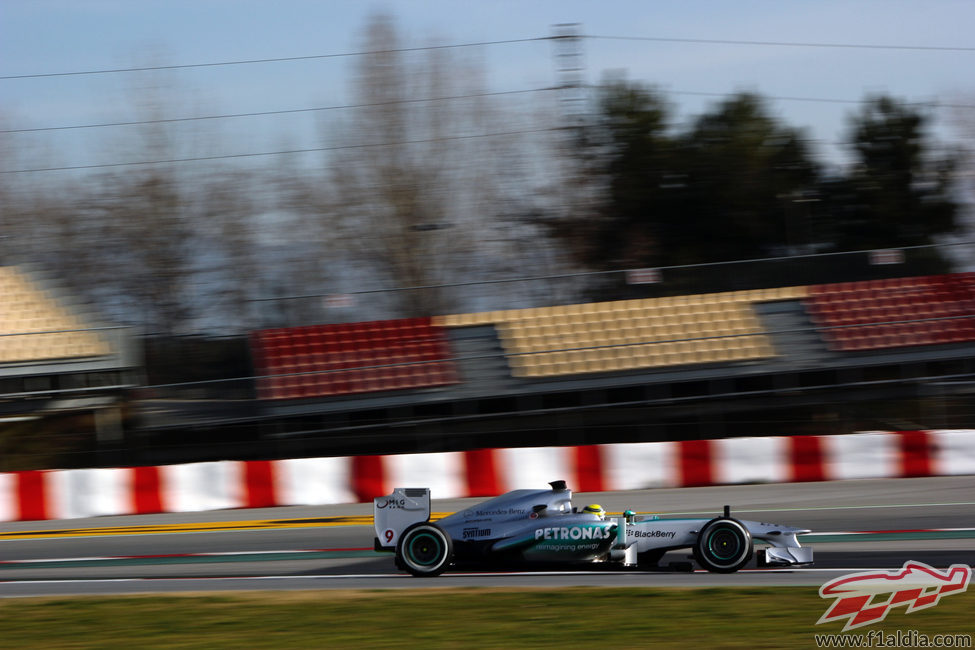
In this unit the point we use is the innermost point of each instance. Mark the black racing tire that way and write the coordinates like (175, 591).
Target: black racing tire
(724, 545)
(424, 550)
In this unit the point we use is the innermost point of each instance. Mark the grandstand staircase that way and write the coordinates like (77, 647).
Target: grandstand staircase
(480, 360)
(794, 335)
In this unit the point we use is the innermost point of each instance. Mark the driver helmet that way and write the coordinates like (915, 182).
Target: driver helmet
(594, 509)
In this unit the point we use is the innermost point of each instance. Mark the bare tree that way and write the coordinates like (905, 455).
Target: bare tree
(166, 246)
(417, 189)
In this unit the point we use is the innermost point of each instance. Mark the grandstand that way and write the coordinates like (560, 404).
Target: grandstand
(896, 313)
(576, 374)
(632, 334)
(692, 366)
(605, 338)
(37, 328)
(56, 359)
(688, 366)
(323, 360)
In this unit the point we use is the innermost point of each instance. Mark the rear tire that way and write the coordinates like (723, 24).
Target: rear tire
(724, 545)
(424, 550)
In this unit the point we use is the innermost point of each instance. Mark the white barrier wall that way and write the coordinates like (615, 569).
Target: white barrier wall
(443, 473)
(954, 452)
(314, 481)
(65, 494)
(751, 460)
(202, 486)
(640, 465)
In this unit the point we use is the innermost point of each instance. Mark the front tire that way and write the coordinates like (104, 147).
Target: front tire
(424, 550)
(724, 545)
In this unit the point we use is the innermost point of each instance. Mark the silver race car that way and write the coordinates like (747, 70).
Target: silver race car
(541, 526)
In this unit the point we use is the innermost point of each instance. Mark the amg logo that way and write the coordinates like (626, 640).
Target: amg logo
(474, 533)
(670, 534)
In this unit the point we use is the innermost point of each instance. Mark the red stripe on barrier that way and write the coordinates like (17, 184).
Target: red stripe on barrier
(259, 484)
(481, 473)
(806, 459)
(695, 463)
(31, 496)
(589, 469)
(368, 477)
(915, 454)
(146, 492)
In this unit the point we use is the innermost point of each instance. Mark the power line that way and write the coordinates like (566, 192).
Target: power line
(691, 93)
(583, 274)
(283, 59)
(278, 153)
(610, 37)
(717, 41)
(278, 112)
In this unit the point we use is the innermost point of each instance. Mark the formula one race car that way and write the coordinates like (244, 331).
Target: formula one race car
(541, 526)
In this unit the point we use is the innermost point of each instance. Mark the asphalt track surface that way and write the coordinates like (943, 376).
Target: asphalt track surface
(931, 520)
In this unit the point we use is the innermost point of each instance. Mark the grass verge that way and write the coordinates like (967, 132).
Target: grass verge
(574, 617)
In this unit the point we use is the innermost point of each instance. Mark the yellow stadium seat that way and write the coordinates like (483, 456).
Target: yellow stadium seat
(27, 311)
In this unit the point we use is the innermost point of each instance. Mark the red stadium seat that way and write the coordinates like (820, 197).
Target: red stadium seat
(352, 358)
(936, 301)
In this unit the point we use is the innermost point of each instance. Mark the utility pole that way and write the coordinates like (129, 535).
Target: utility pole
(575, 191)
(570, 73)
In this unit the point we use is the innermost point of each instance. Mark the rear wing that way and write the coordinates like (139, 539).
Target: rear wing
(396, 512)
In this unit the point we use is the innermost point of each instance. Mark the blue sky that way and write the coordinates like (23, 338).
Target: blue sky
(46, 36)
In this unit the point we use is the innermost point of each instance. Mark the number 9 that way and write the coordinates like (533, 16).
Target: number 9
(388, 535)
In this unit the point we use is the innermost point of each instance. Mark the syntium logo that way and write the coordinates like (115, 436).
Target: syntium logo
(574, 533)
(865, 598)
